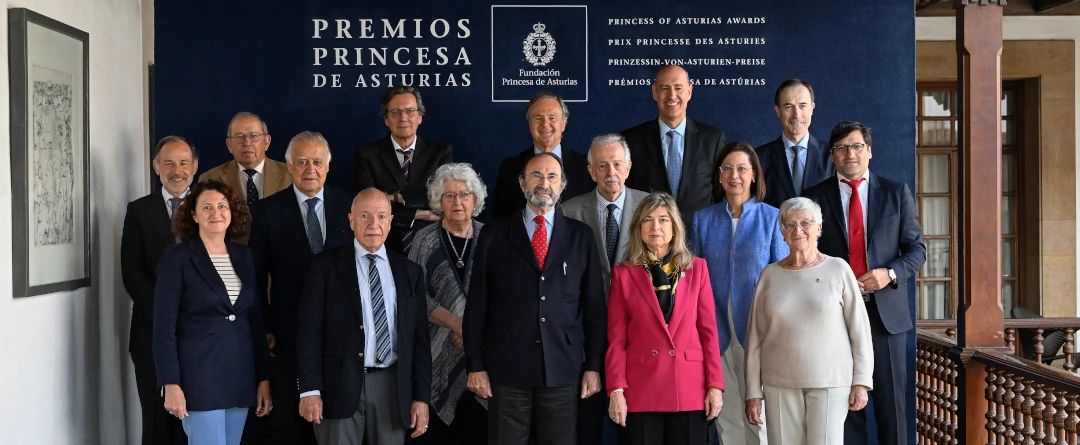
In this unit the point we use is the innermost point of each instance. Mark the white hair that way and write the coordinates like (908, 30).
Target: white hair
(606, 139)
(799, 204)
(459, 171)
(306, 136)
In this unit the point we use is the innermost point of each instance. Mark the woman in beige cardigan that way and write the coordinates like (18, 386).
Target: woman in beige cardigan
(809, 351)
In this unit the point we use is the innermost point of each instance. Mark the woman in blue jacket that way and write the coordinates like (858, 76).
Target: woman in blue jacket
(737, 237)
(210, 346)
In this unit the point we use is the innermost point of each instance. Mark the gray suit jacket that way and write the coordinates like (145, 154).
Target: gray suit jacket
(583, 208)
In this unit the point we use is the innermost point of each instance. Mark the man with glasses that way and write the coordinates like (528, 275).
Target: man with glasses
(535, 323)
(400, 164)
(546, 115)
(795, 161)
(871, 222)
(250, 172)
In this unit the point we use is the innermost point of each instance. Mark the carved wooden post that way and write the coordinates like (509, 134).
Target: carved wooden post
(980, 322)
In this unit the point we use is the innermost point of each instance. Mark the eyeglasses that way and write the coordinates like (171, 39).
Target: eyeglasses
(805, 224)
(448, 196)
(854, 148)
(537, 177)
(253, 137)
(397, 112)
(742, 169)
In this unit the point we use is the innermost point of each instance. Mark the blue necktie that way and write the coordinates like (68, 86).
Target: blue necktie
(378, 310)
(799, 168)
(250, 189)
(314, 229)
(674, 161)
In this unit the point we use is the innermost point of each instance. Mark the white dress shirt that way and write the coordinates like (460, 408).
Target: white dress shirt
(320, 209)
(601, 211)
(167, 196)
(258, 179)
(400, 155)
(845, 200)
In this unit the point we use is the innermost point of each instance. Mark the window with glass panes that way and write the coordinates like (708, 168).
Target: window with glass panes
(936, 195)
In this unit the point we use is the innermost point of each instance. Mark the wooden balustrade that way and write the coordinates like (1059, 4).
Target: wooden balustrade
(1060, 330)
(936, 391)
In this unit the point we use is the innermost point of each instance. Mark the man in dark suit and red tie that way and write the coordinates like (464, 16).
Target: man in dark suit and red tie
(795, 161)
(535, 319)
(147, 232)
(288, 229)
(673, 153)
(400, 164)
(872, 222)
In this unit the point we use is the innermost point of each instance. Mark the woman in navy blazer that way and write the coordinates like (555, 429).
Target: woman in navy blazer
(210, 350)
(737, 237)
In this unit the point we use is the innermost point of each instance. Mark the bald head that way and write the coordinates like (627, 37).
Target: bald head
(672, 91)
(370, 219)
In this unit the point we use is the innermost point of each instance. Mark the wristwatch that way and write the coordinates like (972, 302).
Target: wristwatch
(892, 275)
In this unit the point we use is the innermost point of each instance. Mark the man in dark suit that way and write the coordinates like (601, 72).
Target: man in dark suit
(676, 154)
(796, 160)
(547, 115)
(871, 222)
(147, 232)
(535, 320)
(400, 164)
(288, 229)
(364, 350)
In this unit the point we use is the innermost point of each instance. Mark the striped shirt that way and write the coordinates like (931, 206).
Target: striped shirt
(228, 275)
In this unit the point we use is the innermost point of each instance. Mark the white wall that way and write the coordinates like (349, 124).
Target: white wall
(1023, 28)
(65, 375)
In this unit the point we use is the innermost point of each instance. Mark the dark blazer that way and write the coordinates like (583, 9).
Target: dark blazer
(330, 350)
(699, 185)
(377, 166)
(282, 254)
(147, 232)
(531, 328)
(213, 349)
(779, 186)
(893, 240)
(508, 197)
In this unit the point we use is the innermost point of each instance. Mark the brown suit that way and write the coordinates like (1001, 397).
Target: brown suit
(275, 179)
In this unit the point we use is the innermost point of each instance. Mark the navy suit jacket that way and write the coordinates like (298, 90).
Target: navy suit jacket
(699, 185)
(893, 240)
(147, 232)
(531, 328)
(330, 352)
(282, 254)
(213, 349)
(779, 186)
(509, 199)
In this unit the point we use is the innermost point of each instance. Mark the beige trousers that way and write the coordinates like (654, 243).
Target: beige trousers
(813, 416)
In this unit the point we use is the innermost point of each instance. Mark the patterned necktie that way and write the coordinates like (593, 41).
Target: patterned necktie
(174, 205)
(252, 191)
(407, 237)
(314, 229)
(611, 234)
(378, 311)
(856, 233)
(539, 240)
(674, 161)
(798, 169)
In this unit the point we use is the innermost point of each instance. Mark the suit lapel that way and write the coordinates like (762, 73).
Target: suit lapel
(230, 175)
(682, 304)
(629, 206)
(832, 193)
(589, 208)
(273, 178)
(209, 273)
(656, 151)
(559, 238)
(337, 220)
(873, 207)
(159, 219)
(815, 160)
(240, 270)
(519, 238)
(401, 283)
(388, 154)
(648, 295)
(779, 159)
(689, 149)
(292, 218)
(421, 157)
(346, 265)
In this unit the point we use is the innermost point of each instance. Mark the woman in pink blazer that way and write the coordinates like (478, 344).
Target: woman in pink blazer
(663, 359)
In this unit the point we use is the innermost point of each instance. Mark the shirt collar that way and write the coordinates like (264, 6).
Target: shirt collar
(399, 147)
(557, 151)
(165, 193)
(549, 216)
(840, 178)
(802, 143)
(681, 128)
(602, 202)
(361, 252)
(258, 168)
(301, 198)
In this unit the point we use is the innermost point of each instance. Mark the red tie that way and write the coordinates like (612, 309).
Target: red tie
(539, 240)
(856, 233)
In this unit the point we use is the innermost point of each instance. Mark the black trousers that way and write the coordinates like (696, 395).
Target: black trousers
(684, 427)
(158, 426)
(888, 399)
(470, 425)
(284, 426)
(546, 415)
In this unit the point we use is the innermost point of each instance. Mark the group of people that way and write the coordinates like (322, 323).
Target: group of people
(712, 292)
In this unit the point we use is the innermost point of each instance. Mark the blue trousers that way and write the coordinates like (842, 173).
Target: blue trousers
(218, 427)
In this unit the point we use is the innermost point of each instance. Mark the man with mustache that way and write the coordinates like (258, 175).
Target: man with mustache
(250, 172)
(547, 115)
(796, 160)
(400, 164)
(288, 229)
(535, 320)
(608, 212)
(676, 154)
(147, 232)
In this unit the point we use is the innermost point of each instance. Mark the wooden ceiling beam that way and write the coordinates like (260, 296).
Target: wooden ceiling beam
(1042, 6)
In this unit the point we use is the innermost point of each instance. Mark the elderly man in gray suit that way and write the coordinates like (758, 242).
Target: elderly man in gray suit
(608, 211)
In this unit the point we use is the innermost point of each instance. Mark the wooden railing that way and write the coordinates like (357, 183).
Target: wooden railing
(1035, 349)
(936, 391)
